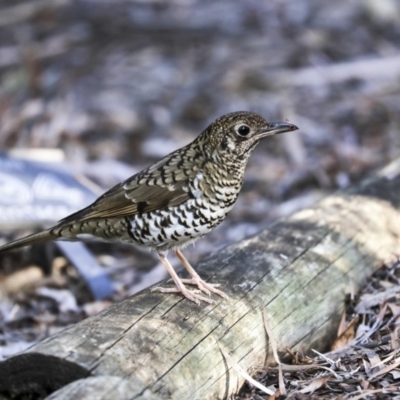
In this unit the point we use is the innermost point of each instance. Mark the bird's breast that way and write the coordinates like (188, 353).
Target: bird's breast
(212, 197)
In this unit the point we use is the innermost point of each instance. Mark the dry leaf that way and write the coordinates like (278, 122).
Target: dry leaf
(362, 329)
(373, 358)
(395, 339)
(282, 388)
(382, 312)
(364, 383)
(395, 374)
(394, 308)
(342, 325)
(386, 284)
(347, 336)
(367, 366)
(367, 393)
(271, 338)
(316, 384)
(371, 300)
(19, 280)
(243, 373)
(385, 370)
(275, 396)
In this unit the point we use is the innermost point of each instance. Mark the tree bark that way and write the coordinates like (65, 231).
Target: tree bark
(158, 346)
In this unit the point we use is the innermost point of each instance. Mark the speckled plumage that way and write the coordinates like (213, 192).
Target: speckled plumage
(175, 201)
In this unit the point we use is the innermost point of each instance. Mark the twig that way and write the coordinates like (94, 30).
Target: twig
(243, 373)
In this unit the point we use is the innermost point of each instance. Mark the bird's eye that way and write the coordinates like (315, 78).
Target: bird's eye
(243, 130)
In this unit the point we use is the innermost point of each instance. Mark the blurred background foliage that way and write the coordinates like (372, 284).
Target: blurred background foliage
(133, 80)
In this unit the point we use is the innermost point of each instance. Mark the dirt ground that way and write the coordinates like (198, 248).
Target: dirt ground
(114, 85)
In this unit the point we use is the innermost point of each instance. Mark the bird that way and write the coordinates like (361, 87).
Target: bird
(174, 201)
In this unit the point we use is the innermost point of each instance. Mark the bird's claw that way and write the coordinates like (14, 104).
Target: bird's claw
(189, 294)
(206, 287)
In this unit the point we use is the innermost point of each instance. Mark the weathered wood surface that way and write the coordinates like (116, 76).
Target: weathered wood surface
(156, 346)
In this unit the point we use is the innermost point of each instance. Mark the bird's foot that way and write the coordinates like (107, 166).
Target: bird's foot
(189, 294)
(205, 286)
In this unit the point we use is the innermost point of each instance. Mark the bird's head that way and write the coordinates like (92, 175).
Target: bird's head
(238, 133)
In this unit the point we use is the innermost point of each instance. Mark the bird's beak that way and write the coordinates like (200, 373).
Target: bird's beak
(274, 128)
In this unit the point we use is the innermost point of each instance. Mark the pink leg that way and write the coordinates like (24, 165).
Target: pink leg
(180, 287)
(196, 280)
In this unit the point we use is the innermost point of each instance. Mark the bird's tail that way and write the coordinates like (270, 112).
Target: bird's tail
(28, 240)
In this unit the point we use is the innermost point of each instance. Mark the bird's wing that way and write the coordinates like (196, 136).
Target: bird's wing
(159, 186)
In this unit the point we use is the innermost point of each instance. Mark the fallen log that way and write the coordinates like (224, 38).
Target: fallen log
(157, 346)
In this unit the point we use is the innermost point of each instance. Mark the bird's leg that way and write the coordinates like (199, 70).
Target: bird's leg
(180, 287)
(196, 280)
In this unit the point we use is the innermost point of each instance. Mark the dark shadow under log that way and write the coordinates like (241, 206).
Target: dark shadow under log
(156, 346)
